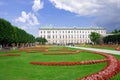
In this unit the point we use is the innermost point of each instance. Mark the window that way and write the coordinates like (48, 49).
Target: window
(48, 36)
(68, 31)
(71, 36)
(48, 31)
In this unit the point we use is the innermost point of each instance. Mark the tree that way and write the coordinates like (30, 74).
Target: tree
(44, 40)
(116, 31)
(6, 32)
(112, 39)
(12, 35)
(41, 40)
(95, 37)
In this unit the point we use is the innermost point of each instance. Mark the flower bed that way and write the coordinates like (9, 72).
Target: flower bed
(118, 48)
(109, 71)
(63, 52)
(68, 63)
(33, 50)
(112, 68)
(10, 55)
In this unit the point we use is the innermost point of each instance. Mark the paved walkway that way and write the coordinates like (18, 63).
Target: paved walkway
(98, 50)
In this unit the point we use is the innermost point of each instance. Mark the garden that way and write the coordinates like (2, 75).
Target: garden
(58, 63)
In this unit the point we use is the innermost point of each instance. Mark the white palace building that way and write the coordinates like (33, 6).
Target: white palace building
(67, 35)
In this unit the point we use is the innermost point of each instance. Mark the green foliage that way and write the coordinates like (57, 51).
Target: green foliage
(41, 40)
(10, 34)
(95, 37)
(116, 31)
(6, 32)
(112, 39)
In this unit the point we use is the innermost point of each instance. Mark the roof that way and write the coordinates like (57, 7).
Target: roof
(72, 28)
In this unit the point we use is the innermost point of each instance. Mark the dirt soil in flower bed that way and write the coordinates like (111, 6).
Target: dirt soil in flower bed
(10, 54)
(59, 49)
(34, 49)
(106, 46)
(62, 52)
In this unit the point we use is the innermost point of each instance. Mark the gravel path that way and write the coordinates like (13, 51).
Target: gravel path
(97, 50)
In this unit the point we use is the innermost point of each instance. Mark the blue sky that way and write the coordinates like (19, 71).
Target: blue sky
(30, 15)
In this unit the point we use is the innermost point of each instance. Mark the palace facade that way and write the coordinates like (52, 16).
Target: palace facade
(69, 35)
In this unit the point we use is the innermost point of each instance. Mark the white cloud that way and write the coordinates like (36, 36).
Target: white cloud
(29, 18)
(85, 7)
(24, 17)
(80, 7)
(37, 5)
(106, 12)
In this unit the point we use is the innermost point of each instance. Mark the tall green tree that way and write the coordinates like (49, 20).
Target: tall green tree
(10, 34)
(41, 40)
(6, 32)
(116, 31)
(112, 39)
(95, 37)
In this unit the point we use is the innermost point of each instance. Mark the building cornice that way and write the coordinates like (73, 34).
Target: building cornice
(72, 28)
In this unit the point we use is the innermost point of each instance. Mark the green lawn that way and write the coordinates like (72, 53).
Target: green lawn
(18, 68)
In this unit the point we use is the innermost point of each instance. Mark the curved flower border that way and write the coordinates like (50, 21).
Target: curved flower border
(109, 71)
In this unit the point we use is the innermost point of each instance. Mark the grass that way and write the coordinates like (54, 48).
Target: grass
(18, 68)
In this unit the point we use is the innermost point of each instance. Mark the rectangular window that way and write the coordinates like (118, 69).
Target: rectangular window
(48, 31)
(48, 36)
(60, 37)
(71, 36)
